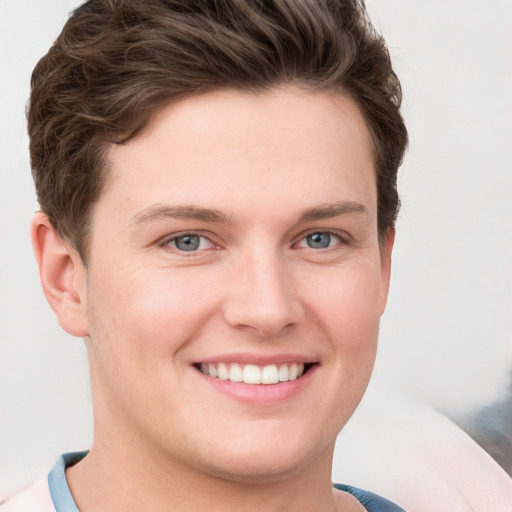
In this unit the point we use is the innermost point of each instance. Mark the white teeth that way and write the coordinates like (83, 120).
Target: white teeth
(253, 374)
(222, 371)
(212, 370)
(283, 373)
(293, 371)
(270, 374)
(235, 373)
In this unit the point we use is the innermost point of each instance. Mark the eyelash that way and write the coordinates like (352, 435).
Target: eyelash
(339, 235)
(165, 242)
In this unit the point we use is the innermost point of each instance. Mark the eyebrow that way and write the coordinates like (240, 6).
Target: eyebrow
(159, 211)
(328, 211)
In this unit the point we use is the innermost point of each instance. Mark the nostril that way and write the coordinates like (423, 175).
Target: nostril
(263, 301)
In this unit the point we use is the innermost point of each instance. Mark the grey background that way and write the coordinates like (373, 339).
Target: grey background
(446, 337)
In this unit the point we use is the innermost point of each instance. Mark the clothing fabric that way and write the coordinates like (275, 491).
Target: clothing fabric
(372, 502)
(54, 494)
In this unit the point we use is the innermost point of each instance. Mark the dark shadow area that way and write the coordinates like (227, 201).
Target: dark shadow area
(491, 427)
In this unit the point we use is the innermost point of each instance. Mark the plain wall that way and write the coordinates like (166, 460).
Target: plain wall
(446, 336)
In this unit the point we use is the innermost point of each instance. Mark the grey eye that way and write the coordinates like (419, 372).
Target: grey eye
(319, 240)
(187, 242)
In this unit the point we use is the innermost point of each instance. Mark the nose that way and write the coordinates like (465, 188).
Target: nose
(262, 296)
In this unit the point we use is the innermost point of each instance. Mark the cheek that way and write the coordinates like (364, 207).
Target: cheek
(152, 313)
(140, 327)
(348, 303)
(348, 311)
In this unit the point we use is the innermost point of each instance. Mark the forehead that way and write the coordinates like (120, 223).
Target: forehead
(233, 148)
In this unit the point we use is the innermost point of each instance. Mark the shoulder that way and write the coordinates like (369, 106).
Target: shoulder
(36, 498)
(49, 494)
(372, 502)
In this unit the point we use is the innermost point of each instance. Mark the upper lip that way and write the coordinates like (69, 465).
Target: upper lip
(257, 359)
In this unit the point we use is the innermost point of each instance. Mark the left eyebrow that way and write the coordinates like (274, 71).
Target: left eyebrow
(330, 210)
(159, 211)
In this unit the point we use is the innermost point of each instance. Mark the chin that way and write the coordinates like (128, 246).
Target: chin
(259, 469)
(265, 458)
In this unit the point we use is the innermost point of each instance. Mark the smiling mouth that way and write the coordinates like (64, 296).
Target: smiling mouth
(254, 374)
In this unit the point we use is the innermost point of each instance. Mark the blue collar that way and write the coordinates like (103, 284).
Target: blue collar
(64, 502)
(59, 489)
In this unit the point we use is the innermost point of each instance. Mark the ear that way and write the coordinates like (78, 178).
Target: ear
(63, 276)
(386, 249)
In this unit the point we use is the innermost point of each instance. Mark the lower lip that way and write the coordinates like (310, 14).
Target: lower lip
(264, 394)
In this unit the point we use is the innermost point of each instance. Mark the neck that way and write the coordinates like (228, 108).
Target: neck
(110, 478)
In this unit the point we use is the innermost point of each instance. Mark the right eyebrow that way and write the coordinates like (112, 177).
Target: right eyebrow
(330, 210)
(159, 211)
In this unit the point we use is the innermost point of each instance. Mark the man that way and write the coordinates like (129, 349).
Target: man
(217, 183)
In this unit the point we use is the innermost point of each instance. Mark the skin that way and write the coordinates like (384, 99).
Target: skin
(273, 168)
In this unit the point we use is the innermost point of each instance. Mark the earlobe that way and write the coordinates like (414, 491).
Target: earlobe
(63, 276)
(386, 251)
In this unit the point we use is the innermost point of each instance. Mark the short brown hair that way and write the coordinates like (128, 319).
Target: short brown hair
(117, 62)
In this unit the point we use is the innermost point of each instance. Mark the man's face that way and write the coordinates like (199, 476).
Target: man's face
(237, 239)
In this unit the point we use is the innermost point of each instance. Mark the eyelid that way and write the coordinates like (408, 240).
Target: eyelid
(166, 240)
(342, 236)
